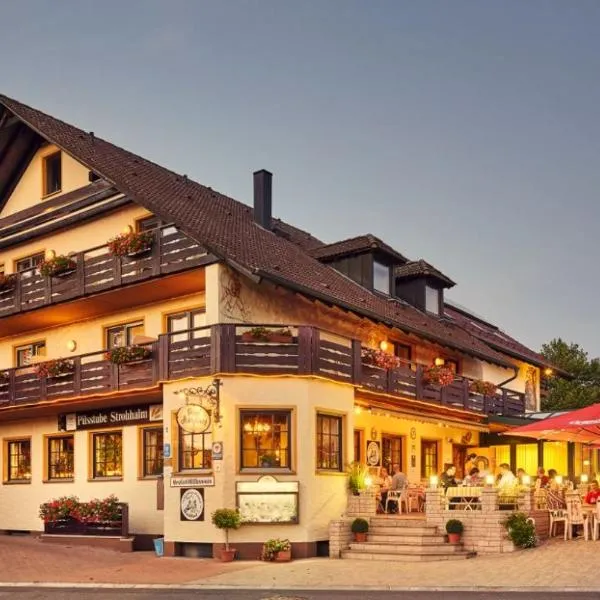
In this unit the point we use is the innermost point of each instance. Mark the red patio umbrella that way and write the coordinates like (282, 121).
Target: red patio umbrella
(581, 425)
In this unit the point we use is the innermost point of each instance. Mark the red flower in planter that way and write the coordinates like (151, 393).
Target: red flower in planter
(485, 388)
(435, 375)
(379, 358)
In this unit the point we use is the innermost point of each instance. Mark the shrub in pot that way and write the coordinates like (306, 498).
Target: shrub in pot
(360, 528)
(454, 529)
(521, 530)
(226, 519)
(357, 475)
(277, 550)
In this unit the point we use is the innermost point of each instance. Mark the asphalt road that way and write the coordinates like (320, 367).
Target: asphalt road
(124, 594)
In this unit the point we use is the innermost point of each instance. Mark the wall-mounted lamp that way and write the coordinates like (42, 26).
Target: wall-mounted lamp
(433, 481)
(384, 345)
(373, 433)
(71, 345)
(489, 480)
(584, 478)
(127, 229)
(357, 409)
(49, 254)
(559, 479)
(439, 361)
(526, 480)
(368, 481)
(548, 372)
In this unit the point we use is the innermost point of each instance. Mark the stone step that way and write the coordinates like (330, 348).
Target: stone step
(403, 538)
(358, 555)
(399, 522)
(411, 531)
(383, 548)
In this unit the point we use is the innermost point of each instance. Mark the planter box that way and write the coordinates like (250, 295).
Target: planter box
(74, 527)
(273, 338)
(283, 556)
(139, 253)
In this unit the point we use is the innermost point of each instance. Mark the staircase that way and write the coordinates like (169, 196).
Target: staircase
(404, 539)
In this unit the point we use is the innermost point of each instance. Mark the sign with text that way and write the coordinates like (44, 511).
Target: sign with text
(192, 481)
(193, 418)
(109, 417)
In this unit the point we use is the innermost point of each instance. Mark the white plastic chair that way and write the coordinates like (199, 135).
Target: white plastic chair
(557, 515)
(576, 516)
(400, 497)
(595, 524)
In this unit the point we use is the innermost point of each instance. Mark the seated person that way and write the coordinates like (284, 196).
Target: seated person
(473, 478)
(593, 494)
(447, 478)
(385, 484)
(399, 483)
(507, 477)
(542, 478)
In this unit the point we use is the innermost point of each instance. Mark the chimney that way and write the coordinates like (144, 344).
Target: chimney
(263, 198)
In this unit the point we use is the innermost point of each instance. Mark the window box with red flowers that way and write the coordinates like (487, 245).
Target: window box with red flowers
(54, 368)
(435, 375)
(7, 282)
(379, 358)
(131, 244)
(59, 266)
(122, 355)
(264, 334)
(485, 388)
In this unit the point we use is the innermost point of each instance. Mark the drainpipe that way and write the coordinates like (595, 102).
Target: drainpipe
(516, 370)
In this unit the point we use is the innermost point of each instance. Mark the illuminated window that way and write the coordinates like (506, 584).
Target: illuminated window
(122, 335)
(195, 450)
(107, 454)
(429, 458)
(26, 266)
(152, 451)
(265, 440)
(25, 354)
(52, 174)
(61, 453)
(329, 443)
(184, 321)
(18, 454)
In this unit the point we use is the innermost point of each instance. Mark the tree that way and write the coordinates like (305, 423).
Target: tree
(577, 391)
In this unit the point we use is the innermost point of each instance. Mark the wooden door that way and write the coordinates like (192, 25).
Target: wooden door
(459, 458)
(392, 452)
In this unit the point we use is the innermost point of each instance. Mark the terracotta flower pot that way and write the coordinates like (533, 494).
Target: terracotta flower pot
(283, 556)
(280, 339)
(228, 555)
(454, 538)
(360, 537)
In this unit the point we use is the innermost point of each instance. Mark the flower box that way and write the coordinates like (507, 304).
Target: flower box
(484, 388)
(55, 368)
(264, 335)
(378, 358)
(7, 282)
(59, 266)
(131, 244)
(130, 355)
(441, 376)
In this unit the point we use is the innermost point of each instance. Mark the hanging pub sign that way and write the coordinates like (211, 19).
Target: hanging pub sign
(108, 417)
(192, 505)
(193, 418)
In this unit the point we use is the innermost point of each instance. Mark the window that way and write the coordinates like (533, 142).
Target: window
(329, 442)
(60, 457)
(26, 265)
(404, 352)
(122, 335)
(152, 451)
(391, 450)
(195, 450)
(52, 174)
(152, 223)
(18, 453)
(452, 365)
(357, 445)
(107, 454)
(25, 354)
(432, 300)
(184, 321)
(381, 277)
(265, 440)
(429, 458)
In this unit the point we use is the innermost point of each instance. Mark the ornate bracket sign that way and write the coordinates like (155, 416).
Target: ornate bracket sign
(193, 418)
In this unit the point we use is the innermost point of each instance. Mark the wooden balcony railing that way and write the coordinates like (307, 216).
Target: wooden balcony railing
(228, 348)
(98, 271)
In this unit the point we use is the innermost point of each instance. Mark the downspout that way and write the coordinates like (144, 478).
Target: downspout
(516, 370)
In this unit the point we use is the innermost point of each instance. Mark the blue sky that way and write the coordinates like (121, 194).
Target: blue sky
(462, 132)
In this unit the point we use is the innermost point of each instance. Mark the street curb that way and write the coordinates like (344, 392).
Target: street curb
(283, 588)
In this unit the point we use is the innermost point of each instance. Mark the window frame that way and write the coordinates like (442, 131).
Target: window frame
(36, 259)
(19, 348)
(165, 227)
(434, 469)
(189, 313)
(126, 326)
(438, 292)
(289, 414)
(45, 160)
(205, 448)
(6, 466)
(388, 290)
(142, 447)
(48, 478)
(339, 419)
(92, 455)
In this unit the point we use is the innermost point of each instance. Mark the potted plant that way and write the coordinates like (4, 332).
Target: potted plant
(59, 266)
(378, 358)
(435, 375)
(121, 355)
(4, 376)
(359, 528)
(485, 388)
(130, 244)
(263, 334)
(521, 530)
(54, 368)
(454, 529)
(226, 519)
(269, 461)
(7, 282)
(277, 550)
(357, 475)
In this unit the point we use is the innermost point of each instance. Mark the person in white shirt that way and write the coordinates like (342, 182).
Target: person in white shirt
(507, 477)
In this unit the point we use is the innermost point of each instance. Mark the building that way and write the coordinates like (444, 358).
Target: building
(244, 355)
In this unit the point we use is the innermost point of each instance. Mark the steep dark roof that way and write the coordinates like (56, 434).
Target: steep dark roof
(301, 238)
(421, 268)
(361, 243)
(226, 228)
(496, 338)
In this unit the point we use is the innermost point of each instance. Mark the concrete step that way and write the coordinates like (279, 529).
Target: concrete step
(383, 548)
(411, 531)
(408, 540)
(399, 522)
(358, 555)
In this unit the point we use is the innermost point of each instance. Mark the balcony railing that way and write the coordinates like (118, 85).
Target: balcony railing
(230, 348)
(97, 270)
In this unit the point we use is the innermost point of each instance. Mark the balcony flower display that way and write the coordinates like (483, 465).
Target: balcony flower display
(7, 282)
(57, 266)
(435, 375)
(485, 388)
(54, 368)
(379, 358)
(264, 334)
(130, 244)
(126, 354)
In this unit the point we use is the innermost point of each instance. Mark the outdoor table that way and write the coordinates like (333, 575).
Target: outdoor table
(465, 497)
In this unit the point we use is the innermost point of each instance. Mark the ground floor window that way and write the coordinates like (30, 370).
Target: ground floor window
(429, 458)
(265, 439)
(195, 450)
(107, 454)
(391, 447)
(152, 451)
(18, 455)
(329, 442)
(61, 453)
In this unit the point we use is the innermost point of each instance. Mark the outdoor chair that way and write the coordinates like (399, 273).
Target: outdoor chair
(557, 515)
(576, 516)
(595, 523)
(400, 497)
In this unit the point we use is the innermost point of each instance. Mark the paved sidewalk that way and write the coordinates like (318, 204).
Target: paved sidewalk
(556, 564)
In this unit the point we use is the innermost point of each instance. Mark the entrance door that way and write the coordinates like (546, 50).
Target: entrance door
(459, 458)
(391, 447)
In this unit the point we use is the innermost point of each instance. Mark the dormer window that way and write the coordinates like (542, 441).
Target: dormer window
(51, 174)
(432, 300)
(381, 278)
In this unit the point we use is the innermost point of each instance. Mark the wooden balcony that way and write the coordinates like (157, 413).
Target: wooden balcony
(98, 271)
(229, 349)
